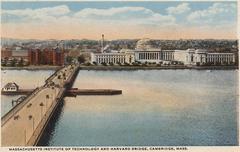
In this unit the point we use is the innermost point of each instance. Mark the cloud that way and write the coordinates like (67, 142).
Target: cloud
(41, 13)
(121, 22)
(114, 12)
(130, 15)
(133, 15)
(224, 13)
(180, 9)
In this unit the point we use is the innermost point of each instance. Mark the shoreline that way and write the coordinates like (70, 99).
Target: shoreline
(158, 68)
(32, 68)
(82, 67)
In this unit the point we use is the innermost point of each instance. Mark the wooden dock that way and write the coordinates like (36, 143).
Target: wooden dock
(70, 92)
(18, 92)
(75, 92)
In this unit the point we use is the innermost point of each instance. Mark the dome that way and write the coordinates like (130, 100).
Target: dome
(144, 44)
(201, 51)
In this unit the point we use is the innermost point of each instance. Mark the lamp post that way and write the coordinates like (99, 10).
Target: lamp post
(24, 131)
(53, 94)
(47, 97)
(41, 105)
(25, 137)
(30, 117)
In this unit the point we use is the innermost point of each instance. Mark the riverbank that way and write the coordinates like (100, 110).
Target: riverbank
(32, 68)
(157, 67)
(116, 67)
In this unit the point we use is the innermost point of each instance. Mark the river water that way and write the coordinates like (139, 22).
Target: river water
(157, 108)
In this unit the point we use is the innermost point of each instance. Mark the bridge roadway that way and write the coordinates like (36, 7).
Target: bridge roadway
(24, 124)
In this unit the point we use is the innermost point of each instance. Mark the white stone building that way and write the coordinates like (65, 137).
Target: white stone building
(225, 58)
(202, 56)
(114, 58)
(145, 52)
(153, 55)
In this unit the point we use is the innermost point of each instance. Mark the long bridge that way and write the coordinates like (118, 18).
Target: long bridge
(24, 124)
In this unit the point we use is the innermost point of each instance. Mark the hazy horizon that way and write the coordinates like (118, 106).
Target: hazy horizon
(110, 39)
(119, 20)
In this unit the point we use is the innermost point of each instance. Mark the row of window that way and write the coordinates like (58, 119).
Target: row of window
(111, 60)
(155, 56)
(10, 88)
(213, 58)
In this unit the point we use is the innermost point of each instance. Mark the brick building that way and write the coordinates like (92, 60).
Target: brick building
(46, 57)
(34, 57)
(6, 54)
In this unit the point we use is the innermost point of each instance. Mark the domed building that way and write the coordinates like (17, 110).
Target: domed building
(146, 52)
(144, 44)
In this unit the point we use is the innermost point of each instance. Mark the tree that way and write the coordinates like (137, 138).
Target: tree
(69, 59)
(104, 64)
(88, 64)
(81, 59)
(19, 63)
(3, 64)
(13, 62)
(111, 63)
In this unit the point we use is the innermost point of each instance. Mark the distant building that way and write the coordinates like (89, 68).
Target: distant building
(6, 54)
(153, 55)
(10, 87)
(34, 57)
(46, 57)
(109, 56)
(144, 44)
(201, 56)
(226, 58)
(145, 52)
(114, 58)
(20, 54)
(58, 58)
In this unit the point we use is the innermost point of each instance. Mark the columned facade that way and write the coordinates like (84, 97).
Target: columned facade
(188, 57)
(220, 58)
(154, 55)
(200, 57)
(114, 58)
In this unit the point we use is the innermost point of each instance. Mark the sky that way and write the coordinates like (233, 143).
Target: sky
(119, 20)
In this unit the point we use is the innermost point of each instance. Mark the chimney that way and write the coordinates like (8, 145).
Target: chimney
(102, 43)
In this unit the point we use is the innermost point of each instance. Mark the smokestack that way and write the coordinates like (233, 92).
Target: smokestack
(102, 42)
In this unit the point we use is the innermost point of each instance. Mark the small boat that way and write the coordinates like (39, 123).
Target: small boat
(209, 70)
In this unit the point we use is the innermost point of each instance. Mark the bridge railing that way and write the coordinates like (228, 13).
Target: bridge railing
(35, 137)
(15, 109)
(49, 78)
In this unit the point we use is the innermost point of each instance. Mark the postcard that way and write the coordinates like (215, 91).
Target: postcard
(119, 75)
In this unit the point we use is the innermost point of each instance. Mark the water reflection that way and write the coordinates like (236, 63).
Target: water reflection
(166, 107)
(157, 107)
(50, 128)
